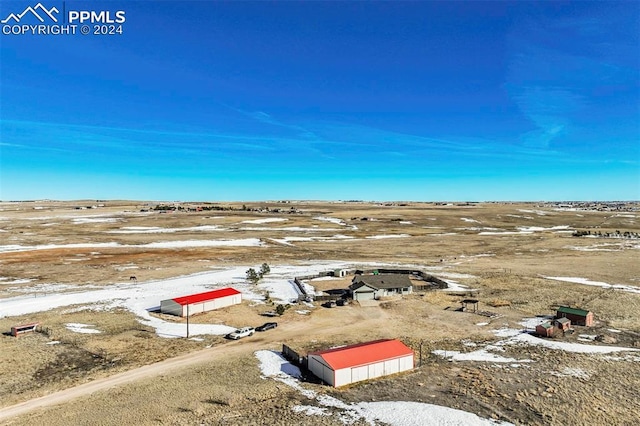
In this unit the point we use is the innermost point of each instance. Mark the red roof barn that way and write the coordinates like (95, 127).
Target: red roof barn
(201, 302)
(364, 361)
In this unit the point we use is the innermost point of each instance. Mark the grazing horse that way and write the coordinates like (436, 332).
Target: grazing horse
(133, 278)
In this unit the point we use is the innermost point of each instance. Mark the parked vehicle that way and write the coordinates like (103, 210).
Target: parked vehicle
(267, 326)
(241, 332)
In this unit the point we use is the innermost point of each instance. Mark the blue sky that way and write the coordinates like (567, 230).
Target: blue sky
(326, 100)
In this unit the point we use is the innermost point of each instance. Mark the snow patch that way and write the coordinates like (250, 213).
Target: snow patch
(77, 327)
(289, 228)
(81, 220)
(158, 230)
(266, 220)
(480, 355)
(576, 280)
(18, 281)
(566, 346)
(287, 240)
(402, 413)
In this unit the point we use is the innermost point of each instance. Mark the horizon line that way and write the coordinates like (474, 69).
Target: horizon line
(295, 200)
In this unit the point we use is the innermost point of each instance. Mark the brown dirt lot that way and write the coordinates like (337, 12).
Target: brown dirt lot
(505, 267)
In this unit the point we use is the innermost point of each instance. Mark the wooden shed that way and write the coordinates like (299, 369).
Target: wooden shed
(575, 315)
(545, 329)
(201, 302)
(562, 324)
(364, 361)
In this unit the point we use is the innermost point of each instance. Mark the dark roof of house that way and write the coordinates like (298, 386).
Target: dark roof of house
(360, 284)
(381, 281)
(574, 311)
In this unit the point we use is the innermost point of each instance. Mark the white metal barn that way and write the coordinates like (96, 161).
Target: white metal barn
(201, 302)
(364, 361)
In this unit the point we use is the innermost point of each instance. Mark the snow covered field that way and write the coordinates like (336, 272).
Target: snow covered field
(141, 297)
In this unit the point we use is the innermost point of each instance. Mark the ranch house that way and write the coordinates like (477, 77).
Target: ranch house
(373, 287)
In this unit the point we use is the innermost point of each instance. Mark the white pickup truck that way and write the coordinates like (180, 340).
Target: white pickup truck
(241, 332)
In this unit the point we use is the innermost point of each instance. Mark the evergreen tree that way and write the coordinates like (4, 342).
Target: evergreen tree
(252, 275)
(264, 269)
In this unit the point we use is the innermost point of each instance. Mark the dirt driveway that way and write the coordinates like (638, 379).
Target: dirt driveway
(325, 322)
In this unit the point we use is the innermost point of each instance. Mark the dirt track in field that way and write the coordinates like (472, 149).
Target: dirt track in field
(121, 375)
(140, 373)
(374, 318)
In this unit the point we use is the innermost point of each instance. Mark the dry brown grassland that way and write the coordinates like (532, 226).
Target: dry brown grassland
(478, 245)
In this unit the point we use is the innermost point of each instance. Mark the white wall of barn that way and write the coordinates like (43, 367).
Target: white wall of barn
(317, 366)
(350, 375)
(210, 305)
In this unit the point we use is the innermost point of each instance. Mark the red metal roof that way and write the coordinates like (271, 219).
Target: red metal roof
(202, 297)
(364, 353)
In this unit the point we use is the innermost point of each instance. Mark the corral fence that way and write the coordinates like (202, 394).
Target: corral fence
(327, 297)
(303, 295)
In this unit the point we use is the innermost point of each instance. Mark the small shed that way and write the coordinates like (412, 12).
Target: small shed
(472, 302)
(201, 302)
(575, 315)
(340, 273)
(545, 329)
(364, 361)
(17, 330)
(562, 324)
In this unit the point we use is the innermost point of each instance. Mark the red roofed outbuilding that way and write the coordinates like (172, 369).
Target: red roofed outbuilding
(364, 361)
(201, 302)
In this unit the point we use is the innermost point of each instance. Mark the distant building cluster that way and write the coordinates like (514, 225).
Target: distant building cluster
(564, 318)
(600, 206)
